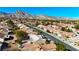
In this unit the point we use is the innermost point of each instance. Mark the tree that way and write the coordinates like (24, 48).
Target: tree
(60, 47)
(10, 23)
(66, 29)
(76, 26)
(47, 41)
(63, 29)
(48, 31)
(21, 35)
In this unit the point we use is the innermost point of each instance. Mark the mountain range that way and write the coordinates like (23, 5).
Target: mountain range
(20, 14)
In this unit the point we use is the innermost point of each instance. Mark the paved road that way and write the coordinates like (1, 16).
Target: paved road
(57, 39)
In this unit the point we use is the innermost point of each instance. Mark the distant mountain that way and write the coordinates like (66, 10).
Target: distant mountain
(44, 17)
(4, 14)
(20, 14)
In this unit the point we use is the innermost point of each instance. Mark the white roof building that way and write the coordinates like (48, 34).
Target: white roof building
(34, 37)
(1, 40)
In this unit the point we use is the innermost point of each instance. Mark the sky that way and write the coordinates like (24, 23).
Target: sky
(70, 12)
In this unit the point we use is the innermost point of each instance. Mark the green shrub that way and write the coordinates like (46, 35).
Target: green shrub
(76, 26)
